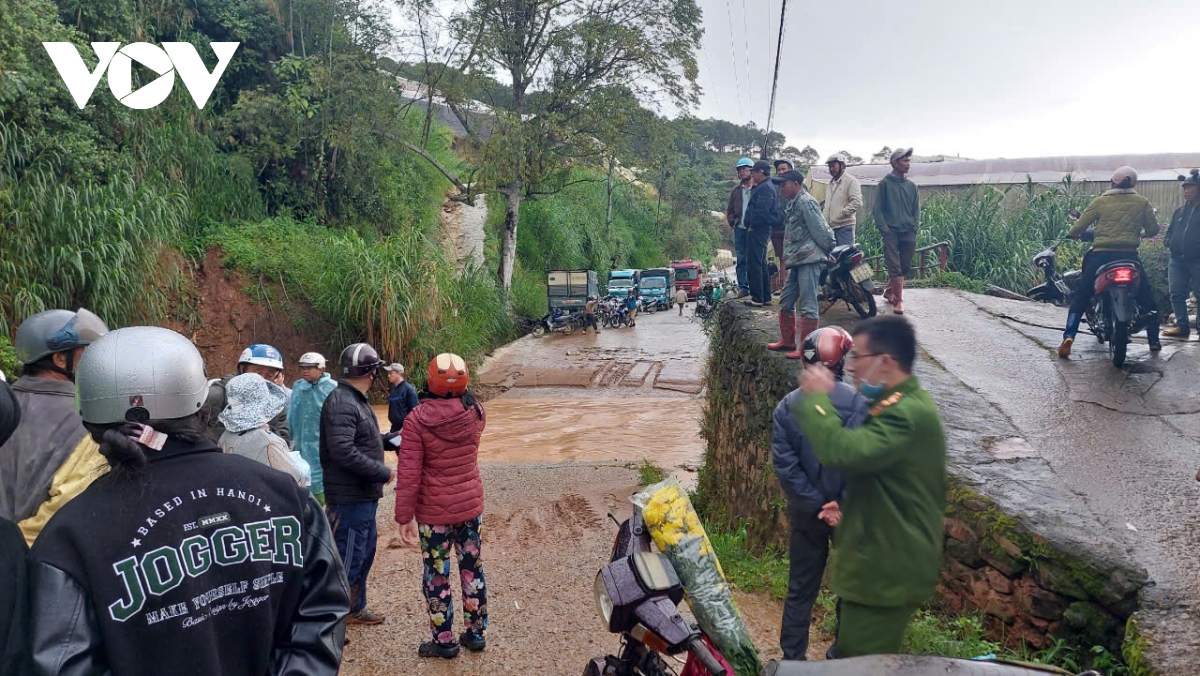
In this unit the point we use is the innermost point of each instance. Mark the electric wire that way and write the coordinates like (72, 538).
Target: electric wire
(733, 56)
(775, 80)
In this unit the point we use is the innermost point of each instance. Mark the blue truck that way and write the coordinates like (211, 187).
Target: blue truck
(621, 281)
(658, 286)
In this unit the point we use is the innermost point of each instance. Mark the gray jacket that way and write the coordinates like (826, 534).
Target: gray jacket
(807, 238)
(49, 433)
(805, 481)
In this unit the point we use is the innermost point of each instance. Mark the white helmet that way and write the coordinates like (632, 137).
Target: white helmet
(836, 157)
(140, 373)
(312, 359)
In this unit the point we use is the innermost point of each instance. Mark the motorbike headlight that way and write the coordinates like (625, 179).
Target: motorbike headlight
(604, 603)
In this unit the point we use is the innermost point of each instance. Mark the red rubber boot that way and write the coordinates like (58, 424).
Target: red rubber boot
(787, 334)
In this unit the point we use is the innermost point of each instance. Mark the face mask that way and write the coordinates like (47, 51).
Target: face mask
(870, 390)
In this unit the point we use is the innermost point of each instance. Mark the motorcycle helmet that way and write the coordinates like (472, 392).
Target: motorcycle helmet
(448, 376)
(1192, 178)
(263, 355)
(312, 359)
(1125, 174)
(359, 360)
(745, 162)
(783, 160)
(138, 374)
(829, 346)
(57, 331)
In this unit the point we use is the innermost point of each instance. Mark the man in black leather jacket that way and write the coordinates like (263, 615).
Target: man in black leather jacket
(351, 450)
(14, 593)
(181, 560)
(761, 217)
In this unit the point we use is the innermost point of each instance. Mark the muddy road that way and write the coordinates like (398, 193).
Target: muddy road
(1125, 440)
(569, 418)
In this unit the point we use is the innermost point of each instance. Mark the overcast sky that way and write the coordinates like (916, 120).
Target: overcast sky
(1009, 78)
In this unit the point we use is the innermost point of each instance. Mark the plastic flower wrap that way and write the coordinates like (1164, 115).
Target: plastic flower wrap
(679, 535)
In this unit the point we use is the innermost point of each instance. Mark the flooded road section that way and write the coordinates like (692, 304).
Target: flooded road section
(624, 395)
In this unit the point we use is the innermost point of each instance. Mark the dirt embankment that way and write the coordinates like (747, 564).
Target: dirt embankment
(222, 317)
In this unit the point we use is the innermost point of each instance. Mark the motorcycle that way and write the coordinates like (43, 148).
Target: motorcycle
(847, 277)
(704, 306)
(1057, 289)
(637, 595)
(558, 322)
(619, 317)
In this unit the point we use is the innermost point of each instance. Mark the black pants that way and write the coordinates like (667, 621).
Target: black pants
(1087, 284)
(758, 276)
(807, 553)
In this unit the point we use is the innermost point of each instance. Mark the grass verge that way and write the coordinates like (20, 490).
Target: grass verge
(650, 473)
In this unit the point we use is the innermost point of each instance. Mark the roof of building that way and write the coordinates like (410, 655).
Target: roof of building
(1161, 167)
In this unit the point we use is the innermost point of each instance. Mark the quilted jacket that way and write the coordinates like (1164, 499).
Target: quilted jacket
(437, 477)
(1121, 217)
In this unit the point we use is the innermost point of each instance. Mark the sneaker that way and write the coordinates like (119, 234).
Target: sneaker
(435, 649)
(1064, 350)
(364, 617)
(472, 641)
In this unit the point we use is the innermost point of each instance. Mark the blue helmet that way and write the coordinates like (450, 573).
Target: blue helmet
(745, 162)
(263, 355)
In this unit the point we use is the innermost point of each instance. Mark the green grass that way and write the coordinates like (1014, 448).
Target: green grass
(650, 473)
(929, 633)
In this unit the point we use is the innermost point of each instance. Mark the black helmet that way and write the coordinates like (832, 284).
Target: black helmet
(1191, 179)
(829, 346)
(359, 360)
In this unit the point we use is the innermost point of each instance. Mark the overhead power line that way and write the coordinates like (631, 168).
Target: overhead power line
(775, 79)
(733, 56)
(746, 54)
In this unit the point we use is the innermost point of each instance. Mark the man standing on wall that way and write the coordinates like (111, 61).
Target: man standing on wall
(738, 199)
(888, 546)
(762, 217)
(898, 216)
(808, 243)
(843, 199)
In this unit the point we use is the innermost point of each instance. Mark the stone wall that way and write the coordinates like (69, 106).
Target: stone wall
(1026, 553)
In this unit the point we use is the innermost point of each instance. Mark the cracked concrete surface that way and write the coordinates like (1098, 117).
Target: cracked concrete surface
(1124, 440)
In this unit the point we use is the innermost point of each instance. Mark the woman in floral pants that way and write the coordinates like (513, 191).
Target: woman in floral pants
(436, 543)
(439, 499)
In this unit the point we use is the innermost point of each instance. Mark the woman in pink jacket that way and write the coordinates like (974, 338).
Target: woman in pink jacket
(439, 499)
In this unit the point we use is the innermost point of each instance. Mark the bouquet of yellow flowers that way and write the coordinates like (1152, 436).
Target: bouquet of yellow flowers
(679, 535)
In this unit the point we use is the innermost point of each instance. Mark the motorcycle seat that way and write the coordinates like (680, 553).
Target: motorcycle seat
(842, 249)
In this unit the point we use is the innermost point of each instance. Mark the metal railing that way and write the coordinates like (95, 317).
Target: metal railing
(922, 267)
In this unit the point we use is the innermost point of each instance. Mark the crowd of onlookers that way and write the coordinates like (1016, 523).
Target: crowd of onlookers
(154, 520)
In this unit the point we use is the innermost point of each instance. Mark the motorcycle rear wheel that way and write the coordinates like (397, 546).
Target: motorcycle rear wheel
(539, 331)
(1118, 343)
(568, 329)
(863, 302)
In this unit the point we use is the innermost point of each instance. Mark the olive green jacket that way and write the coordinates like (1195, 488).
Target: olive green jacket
(888, 547)
(1121, 216)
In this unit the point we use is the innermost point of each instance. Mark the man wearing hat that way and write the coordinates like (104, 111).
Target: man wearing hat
(1183, 239)
(402, 398)
(843, 199)
(251, 401)
(782, 166)
(761, 216)
(898, 214)
(807, 243)
(738, 199)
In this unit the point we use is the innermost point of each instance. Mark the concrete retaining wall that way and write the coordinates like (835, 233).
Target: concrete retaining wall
(1020, 549)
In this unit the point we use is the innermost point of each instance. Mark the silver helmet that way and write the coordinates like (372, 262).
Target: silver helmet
(140, 373)
(56, 331)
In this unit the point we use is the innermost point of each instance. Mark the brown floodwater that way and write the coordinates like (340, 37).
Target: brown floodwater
(663, 431)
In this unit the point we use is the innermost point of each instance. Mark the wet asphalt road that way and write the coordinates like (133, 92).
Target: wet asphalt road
(1125, 440)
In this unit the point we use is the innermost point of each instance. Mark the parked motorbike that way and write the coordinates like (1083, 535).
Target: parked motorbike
(848, 277)
(1057, 289)
(558, 321)
(704, 306)
(637, 596)
(619, 317)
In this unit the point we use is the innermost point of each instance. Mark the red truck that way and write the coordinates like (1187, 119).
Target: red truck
(689, 276)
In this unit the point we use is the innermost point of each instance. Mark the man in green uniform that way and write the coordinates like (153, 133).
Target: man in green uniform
(888, 545)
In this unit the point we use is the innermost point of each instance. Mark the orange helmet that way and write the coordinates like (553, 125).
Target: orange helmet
(828, 345)
(448, 376)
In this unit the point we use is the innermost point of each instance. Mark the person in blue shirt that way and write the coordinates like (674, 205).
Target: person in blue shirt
(631, 304)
